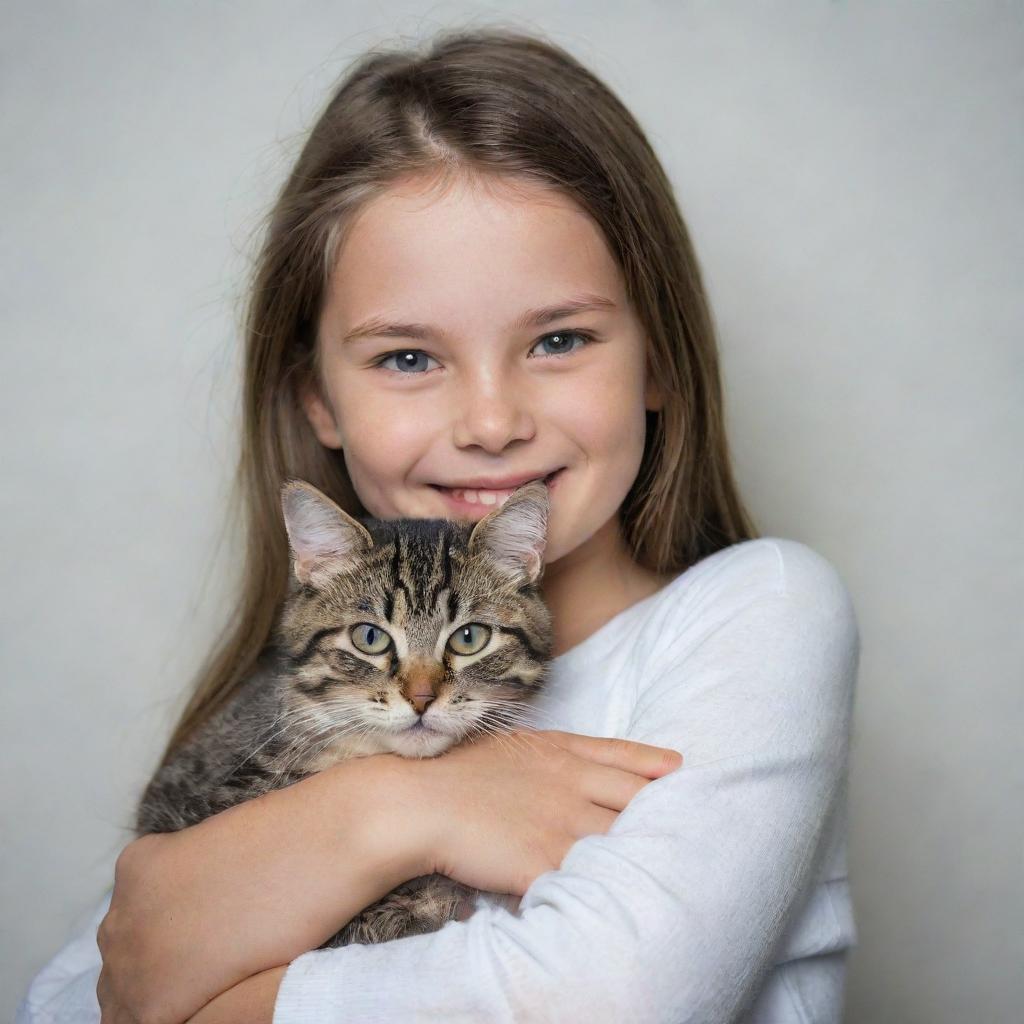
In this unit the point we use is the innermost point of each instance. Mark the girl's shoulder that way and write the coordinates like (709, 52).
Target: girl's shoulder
(782, 584)
(765, 565)
(763, 624)
(752, 603)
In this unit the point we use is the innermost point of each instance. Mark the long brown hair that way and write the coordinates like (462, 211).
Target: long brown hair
(480, 101)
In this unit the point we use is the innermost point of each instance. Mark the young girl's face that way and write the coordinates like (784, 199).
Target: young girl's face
(451, 361)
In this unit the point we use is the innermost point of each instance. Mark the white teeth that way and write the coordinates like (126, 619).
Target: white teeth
(483, 497)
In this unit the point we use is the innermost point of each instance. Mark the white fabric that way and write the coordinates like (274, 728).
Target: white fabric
(719, 894)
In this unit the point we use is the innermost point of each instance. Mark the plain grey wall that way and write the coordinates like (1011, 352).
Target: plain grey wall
(851, 174)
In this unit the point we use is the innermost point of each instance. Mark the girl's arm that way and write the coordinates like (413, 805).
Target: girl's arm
(196, 912)
(198, 909)
(249, 1002)
(712, 883)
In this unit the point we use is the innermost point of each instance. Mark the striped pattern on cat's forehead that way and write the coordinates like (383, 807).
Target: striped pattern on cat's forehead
(428, 569)
(422, 568)
(421, 578)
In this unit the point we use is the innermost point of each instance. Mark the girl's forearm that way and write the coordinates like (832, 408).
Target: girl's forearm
(276, 876)
(253, 887)
(249, 1002)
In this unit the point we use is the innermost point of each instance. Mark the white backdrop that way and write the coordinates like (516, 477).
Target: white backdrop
(852, 176)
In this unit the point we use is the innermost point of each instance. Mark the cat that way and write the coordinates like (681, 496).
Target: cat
(404, 636)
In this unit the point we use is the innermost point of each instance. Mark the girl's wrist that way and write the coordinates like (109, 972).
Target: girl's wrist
(399, 815)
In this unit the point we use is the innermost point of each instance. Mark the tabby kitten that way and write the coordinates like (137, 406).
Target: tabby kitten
(403, 636)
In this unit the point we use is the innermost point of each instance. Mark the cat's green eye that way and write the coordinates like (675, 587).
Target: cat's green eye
(469, 639)
(370, 639)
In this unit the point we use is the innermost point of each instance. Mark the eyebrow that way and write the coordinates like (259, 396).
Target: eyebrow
(377, 327)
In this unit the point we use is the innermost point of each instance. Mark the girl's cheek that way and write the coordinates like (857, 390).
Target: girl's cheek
(383, 419)
(612, 410)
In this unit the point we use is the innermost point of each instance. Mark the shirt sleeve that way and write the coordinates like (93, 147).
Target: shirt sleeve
(64, 991)
(675, 914)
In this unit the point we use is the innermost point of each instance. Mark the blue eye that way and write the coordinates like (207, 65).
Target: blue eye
(559, 338)
(408, 360)
(405, 364)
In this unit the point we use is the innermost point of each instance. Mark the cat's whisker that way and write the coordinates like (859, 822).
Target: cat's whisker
(550, 697)
(274, 735)
(523, 707)
(512, 741)
(302, 722)
(508, 716)
(504, 735)
(299, 749)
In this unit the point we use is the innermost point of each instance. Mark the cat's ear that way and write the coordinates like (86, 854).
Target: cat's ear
(323, 538)
(514, 535)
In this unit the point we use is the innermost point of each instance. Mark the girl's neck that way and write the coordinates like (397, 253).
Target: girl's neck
(592, 584)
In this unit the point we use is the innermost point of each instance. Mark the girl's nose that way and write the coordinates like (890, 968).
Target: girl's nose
(491, 417)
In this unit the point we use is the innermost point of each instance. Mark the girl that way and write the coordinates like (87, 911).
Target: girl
(476, 275)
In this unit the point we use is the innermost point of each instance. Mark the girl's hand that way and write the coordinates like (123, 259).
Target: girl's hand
(134, 963)
(506, 808)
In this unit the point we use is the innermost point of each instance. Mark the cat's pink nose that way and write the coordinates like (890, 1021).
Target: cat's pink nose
(420, 682)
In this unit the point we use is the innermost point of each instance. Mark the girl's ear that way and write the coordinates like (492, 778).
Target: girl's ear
(319, 413)
(323, 538)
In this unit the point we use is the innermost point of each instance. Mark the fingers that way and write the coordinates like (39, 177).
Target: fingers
(615, 752)
(594, 821)
(611, 789)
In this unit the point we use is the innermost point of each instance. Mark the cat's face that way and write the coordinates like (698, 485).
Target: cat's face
(408, 635)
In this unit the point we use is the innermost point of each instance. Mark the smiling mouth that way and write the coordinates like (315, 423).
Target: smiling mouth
(489, 496)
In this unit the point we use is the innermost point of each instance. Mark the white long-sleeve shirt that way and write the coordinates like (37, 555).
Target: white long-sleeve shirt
(720, 892)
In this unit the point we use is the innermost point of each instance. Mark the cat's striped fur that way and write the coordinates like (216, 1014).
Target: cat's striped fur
(317, 698)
